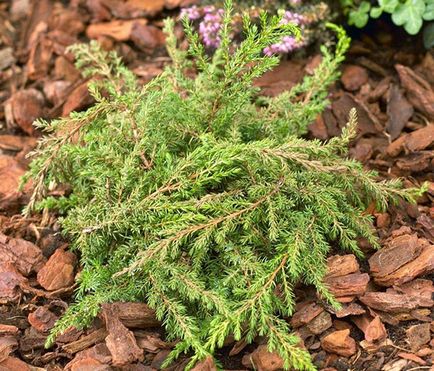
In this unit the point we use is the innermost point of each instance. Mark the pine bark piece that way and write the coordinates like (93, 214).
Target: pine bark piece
(7, 346)
(341, 265)
(120, 30)
(25, 256)
(10, 174)
(58, 272)
(373, 329)
(399, 111)
(15, 364)
(206, 365)
(420, 139)
(8, 330)
(42, 319)
(305, 313)
(25, 106)
(339, 342)
(353, 77)
(423, 264)
(418, 336)
(264, 360)
(320, 323)
(351, 309)
(96, 358)
(120, 341)
(86, 341)
(421, 288)
(419, 92)
(16, 143)
(394, 255)
(146, 37)
(77, 100)
(136, 315)
(10, 282)
(412, 357)
(390, 302)
(350, 285)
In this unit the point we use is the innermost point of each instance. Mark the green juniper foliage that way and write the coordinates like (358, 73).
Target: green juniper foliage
(189, 196)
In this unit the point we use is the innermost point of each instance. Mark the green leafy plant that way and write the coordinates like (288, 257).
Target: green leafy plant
(408, 13)
(189, 196)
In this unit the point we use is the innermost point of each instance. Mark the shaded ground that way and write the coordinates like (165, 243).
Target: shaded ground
(386, 321)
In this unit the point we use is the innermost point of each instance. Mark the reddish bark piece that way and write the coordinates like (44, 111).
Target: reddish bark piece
(10, 281)
(150, 342)
(56, 91)
(136, 315)
(77, 100)
(120, 341)
(395, 254)
(7, 345)
(412, 357)
(150, 7)
(372, 328)
(15, 364)
(320, 323)
(352, 309)
(8, 330)
(305, 312)
(420, 139)
(418, 336)
(421, 265)
(423, 289)
(206, 365)
(399, 111)
(119, 30)
(367, 122)
(380, 90)
(339, 342)
(65, 70)
(349, 285)
(341, 265)
(416, 162)
(264, 360)
(26, 256)
(389, 302)
(282, 77)
(397, 146)
(16, 143)
(42, 319)
(24, 107)
(58, 272)
(86, 341)
(419, 92)
(10, 174)
(146, 37)
(98, 356)
(353, 77)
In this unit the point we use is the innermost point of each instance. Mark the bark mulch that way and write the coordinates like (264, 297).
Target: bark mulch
(386, 321)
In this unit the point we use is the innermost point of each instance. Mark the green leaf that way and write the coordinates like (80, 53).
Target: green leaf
(409, 15)
(359, 17)
(388, 6)
(364, 6)
(376, 12)
(428, 15)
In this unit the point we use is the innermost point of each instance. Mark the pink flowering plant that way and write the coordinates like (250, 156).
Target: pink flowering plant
(308, 16)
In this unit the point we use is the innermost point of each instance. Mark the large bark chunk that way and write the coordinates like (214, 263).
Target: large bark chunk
(26, 256)
(349, 285)
(58, 272)
(390, 302)
(341, 265)
(120, 341)
(339, 342)
(419, 92)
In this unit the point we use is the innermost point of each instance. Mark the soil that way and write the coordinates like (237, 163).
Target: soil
(387, 321)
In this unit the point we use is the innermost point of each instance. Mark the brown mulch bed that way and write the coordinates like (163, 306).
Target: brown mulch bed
(386, 322)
